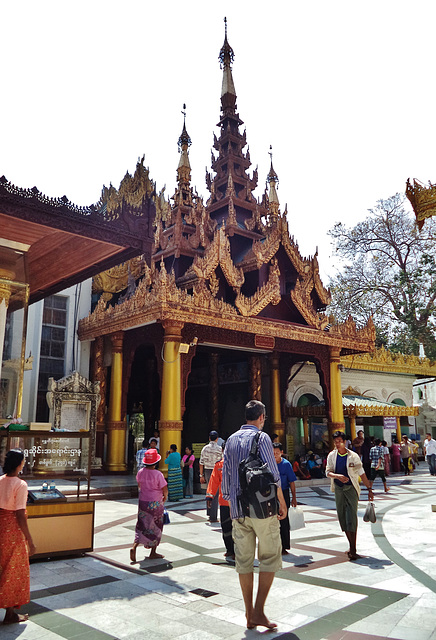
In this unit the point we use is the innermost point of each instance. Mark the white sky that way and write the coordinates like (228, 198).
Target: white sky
(343, 90)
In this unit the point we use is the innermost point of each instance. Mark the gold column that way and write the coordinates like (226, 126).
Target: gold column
(5, 294)
(353, 427)
(23, 352)
(99, 375)
(150, 368)
(214, 388)
(255, 378)
(277, 426)
(306, 430)
(170, 423)
(337, 410)
(116, 428)
(399, 429)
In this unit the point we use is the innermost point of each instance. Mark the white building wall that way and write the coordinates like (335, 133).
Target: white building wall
(33, 347)
(385, 387)
(77, 354)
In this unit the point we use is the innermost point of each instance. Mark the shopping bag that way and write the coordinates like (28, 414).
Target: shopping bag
(166, 517)
(296, 518)
(369, 515)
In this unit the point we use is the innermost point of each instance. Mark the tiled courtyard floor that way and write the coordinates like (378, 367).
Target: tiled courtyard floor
(194, 594)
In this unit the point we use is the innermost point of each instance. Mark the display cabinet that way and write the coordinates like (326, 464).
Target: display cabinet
(52, 455)
(58, 526)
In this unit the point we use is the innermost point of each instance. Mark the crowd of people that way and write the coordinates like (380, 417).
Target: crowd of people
(349, 466)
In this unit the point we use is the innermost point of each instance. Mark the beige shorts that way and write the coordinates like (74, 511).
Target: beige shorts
(269, 551)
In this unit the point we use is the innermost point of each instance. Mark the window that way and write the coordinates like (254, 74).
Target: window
(52, 354)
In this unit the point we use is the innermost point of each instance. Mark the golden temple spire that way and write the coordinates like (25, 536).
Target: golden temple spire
(226, 56)
(274, 204)
(183, 194)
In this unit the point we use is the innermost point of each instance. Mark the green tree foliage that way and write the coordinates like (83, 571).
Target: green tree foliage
(388, 270)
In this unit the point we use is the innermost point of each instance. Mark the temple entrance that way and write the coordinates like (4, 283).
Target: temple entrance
(143, 399)
(218, 390)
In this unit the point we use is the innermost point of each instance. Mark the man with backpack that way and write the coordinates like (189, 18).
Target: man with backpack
(249, 456)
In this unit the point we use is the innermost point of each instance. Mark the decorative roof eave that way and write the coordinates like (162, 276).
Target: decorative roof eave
(385, 361)
(219, 254)
(115, 279)
(354, 411)
(323, 294)
(60, 213)
(266, 248)
(300, 296)
(159, 298)
(422, 199)
(268, 293)
(363, 411)
(119, 318)
(291, 247)
(133, 191)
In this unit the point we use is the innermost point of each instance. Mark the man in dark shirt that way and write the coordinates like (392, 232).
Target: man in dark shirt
(344, 468)
(287, 479)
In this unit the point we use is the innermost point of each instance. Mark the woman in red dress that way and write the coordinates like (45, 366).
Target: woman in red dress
(299, 470)
(16, 543)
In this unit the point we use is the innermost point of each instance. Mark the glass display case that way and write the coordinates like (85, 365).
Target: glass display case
(52, 455)
(59, 526)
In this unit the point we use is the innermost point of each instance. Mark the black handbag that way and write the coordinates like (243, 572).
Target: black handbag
(258, 497)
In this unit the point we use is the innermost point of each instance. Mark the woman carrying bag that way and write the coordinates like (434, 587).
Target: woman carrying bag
(153, 492)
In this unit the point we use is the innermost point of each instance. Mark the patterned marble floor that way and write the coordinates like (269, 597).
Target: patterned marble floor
(193, 593)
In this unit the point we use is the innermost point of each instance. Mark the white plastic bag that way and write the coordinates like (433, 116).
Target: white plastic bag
(296, 518)
(369, 515)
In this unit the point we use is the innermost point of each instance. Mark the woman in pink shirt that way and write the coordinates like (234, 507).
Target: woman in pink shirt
(16, 543)
(153, 491)
(188, 472)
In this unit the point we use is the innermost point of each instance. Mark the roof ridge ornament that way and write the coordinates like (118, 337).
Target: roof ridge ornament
(227, 54)
(184, 137)
(272, 175)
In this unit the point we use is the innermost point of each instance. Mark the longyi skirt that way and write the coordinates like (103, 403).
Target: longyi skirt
(148, 530)
(175, 484)
(14, 563)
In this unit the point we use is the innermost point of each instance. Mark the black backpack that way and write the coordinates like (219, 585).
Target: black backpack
(258, 497)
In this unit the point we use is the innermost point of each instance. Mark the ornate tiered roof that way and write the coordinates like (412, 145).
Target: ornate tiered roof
(423, 200)
(232, 258)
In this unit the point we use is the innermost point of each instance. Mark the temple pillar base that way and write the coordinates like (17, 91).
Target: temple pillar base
(170, 432)
(116, 446)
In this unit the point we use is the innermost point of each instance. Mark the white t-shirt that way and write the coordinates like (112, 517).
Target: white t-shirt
(430, 446)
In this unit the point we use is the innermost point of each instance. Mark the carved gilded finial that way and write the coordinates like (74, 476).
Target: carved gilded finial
(184, 138)
(273, 200)
(226, 55)
(272, 174)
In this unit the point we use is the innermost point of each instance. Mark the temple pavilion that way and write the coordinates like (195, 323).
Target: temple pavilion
(218, 312)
